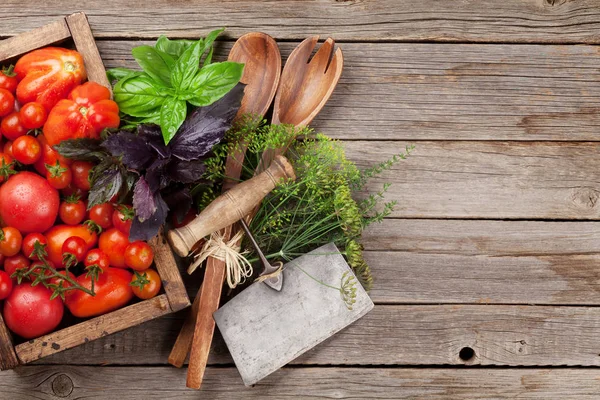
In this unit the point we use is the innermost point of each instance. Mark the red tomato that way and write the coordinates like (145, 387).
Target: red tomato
(73, 250)
(86, 112)
(7, 102)
(10, 241)
(12, 127)
(58, 234)
(7, 166)
(12, 264)
(113, 242)
(81, 174)
(101, 214)
(146, 285)
(139, 256)
(29, 242)
(8, 79)
(6, 285)
(122, 218)
(59, 175)
(8, 148)
(33, 115)
(72, 211)
(63, 282)
(28, 202)
(96, 257)
(26, 149)
(112, 292)
(49, 156)
(47, 75)
(30, 313)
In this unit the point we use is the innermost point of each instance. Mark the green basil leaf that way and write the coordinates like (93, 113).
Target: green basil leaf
(214, 81)
(186, 67)
(138, 95)
(172, 115)
(116, 74)
(155, 63)
(174, 48)
(208, 58)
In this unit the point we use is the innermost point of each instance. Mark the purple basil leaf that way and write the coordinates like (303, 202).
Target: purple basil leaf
(132, 149)
(106, 186)
(143, 200)
(156, 175)
(180, 203)
(153, 136)
(147, 229)
(206, 126)
(186, 171)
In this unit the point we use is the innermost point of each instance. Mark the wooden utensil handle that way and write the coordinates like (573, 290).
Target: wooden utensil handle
(231, 206)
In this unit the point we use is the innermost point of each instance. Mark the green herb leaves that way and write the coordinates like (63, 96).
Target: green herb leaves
(172, 78)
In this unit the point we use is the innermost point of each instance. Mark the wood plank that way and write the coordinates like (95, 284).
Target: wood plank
(55, 31)
(499, 180)
(158, 383)
(546, 21)
(398, 335)
(8, 357)
(404, 91)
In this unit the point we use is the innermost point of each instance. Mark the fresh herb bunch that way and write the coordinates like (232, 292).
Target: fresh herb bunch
(172, 78)
(318, 207)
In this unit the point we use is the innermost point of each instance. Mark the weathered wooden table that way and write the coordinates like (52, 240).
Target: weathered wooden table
(487, 273)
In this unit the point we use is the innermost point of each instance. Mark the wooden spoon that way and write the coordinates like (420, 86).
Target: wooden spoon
(260, 54)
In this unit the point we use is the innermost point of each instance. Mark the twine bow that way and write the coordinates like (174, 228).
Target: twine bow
(238, 268)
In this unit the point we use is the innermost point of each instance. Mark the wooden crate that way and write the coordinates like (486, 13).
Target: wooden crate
(75, 28)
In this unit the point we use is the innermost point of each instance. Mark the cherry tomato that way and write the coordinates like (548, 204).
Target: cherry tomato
(8, 79)
(101, 214)
(16, 262)
(146, 284)
(39, 266)
(6, 285)
(96, 257)
(49, 156)
(8, 148)
(113, 242)
(7, 102)
(28, 203)
(59, 175)
(58, 234)
(139, 256)
(122, 218)
(29, 242)
(71, 190)
(7, 166)
(12, 127)
(26, 149)
(72, 211)
(33, 115)
(10, 241)
(81, 174)
(73, 250)
(63, 282)
(30, 313)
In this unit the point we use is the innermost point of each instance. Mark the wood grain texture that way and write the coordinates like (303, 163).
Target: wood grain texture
(451, 91)
(92, 329)
(546, 21)
(53, 32)
(163, 383)
(8, 357)
(396, 335)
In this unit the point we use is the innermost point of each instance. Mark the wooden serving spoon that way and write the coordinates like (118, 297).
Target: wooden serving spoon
(262, 59)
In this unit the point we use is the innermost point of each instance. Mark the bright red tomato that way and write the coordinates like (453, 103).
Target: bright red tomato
(7, 166)
(139, 256)
(63, 282)
(28, 202)
(49, 156)
(12, 264)
(81, 174)
(96, 257)
(146, 284)
(12, 127)
(7, 102)
(113, 242)
(30, 313)
(8, 79)
(59, 175)
(101, 214)
(33, 115)
(29, 242)
(26, 149)
(72, 211)
(6, 285)
(7, 149)
(10, 241)
(122, 218)
(73, 250)
(58, 234)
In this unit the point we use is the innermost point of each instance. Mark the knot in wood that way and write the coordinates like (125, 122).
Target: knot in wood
(62, 386)
(585, 197)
